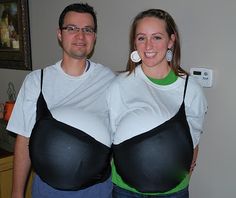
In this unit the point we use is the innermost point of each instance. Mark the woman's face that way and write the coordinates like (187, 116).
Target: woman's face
(152, 42)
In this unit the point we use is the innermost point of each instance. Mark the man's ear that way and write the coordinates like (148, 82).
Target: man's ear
(59, 35)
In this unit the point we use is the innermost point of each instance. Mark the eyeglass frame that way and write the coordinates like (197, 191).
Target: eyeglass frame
(73, 29)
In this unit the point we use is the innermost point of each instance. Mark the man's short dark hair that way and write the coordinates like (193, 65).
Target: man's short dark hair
(80, 8)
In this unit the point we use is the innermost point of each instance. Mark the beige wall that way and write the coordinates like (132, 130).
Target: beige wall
(208, 32)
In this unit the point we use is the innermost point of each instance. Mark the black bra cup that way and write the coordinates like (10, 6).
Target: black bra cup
(65, 158)
(158, 160)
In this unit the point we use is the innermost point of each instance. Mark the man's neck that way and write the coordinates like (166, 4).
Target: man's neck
(73, 67)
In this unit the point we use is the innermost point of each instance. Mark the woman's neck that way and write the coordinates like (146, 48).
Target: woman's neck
(157, 72)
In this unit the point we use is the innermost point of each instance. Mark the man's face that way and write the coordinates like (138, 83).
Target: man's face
(77, 37)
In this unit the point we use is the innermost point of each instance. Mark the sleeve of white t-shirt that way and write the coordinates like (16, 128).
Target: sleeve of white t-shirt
(196, 109)
(23, 116)
(114, 106)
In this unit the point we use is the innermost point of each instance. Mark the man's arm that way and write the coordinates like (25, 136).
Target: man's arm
(21, 166)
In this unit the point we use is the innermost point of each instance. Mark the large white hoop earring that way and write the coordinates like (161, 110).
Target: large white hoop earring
(169, 55)
(134, 56)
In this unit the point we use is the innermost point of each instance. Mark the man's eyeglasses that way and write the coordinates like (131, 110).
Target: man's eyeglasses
(72, 29)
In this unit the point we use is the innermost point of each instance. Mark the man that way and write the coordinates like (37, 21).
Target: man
(72, 92)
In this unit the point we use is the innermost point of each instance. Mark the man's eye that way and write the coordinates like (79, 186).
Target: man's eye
(70, 28)
(157, 37)
(88, 30)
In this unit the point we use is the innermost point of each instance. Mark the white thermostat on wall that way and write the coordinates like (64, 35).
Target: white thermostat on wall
(204, 76)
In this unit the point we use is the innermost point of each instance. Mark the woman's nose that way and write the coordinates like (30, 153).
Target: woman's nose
(148, 44)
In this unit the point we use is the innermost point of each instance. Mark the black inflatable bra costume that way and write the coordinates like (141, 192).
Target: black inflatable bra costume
(157, 160)
(65, 157)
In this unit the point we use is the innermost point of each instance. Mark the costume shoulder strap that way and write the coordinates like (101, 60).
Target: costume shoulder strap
(42, 108)
(41, 80)
(185, 86)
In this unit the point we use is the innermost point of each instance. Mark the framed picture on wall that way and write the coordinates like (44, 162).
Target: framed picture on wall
(15, 48)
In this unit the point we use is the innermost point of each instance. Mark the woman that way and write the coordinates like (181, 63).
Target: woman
(156, 114)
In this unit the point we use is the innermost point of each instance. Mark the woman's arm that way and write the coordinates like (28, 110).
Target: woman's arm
(195, 154)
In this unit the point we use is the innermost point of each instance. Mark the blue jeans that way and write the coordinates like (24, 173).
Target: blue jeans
(122, 193)
(42, 190)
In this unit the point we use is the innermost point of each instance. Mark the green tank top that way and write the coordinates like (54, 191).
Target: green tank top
(116, 178)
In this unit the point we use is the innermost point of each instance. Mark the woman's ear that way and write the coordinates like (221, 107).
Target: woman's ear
(172, 41)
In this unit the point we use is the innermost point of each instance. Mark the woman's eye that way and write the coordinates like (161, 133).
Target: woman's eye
(140, 38)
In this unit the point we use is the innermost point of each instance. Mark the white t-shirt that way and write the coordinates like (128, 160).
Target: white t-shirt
(77, 101)
(137, 105)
